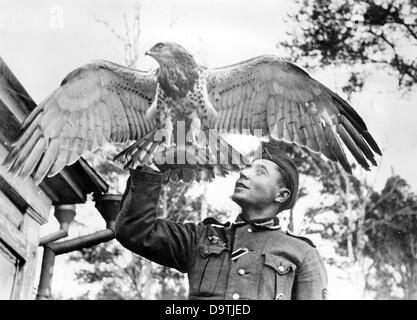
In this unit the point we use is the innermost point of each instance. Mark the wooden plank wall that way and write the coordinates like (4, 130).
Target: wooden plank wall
(20, 227)
(24, 207)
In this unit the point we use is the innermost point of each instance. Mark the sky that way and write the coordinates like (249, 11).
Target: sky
(43, 40)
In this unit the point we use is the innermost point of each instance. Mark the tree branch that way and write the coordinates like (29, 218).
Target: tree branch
(107, 25)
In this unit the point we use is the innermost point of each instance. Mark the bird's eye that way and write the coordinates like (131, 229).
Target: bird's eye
(159, 46)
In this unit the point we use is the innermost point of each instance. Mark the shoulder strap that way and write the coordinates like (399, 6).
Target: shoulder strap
(305, 239)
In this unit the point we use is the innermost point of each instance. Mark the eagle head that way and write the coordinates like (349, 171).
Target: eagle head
(170, 54)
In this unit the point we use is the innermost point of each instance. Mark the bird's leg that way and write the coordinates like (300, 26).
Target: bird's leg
(164, 121)
(168, 127)
(195, 128)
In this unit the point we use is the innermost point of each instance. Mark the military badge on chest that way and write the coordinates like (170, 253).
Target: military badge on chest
(215, 240)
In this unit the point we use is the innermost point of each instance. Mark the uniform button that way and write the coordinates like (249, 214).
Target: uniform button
(235, 296)
(280, 296)
(324, 294)
(281, 268)
(250, 230)
(241, 272)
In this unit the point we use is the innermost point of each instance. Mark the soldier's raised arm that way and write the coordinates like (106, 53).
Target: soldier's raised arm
(139, 229)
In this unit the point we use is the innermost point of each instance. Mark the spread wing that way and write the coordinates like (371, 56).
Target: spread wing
(97, 103)
(276, 96)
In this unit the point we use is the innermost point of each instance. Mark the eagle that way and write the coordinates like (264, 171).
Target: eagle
(104, 102)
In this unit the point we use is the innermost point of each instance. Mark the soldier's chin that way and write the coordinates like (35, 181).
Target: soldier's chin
(238, 198)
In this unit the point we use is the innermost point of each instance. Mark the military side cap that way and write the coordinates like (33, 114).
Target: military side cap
(272, 152)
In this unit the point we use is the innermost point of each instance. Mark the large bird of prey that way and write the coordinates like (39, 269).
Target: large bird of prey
(104, 102)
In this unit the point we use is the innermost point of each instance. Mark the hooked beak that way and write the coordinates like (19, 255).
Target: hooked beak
(150, 53)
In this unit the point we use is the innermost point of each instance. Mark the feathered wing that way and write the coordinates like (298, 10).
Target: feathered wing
(97, 103)
(276, 96)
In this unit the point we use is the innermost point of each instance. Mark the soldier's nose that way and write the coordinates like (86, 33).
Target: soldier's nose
(243, 174)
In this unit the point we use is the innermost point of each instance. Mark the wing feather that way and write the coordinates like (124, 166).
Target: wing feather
(107, 125)
(61, 158)
(223, 114)
(317, 131)
(247, 121)
(230, 96)
(98, 113)
(135, 117)
(279, 104)
(33, 159)
(228, 116)
(131, 122)
(249, 93)
(288, 128)
(142, 125)
(237, 95)
(346, 138)
(283, 100)
(47, 161)
(312, 142)
(81, 115)
(295, 122)
(237, 124)
(359, 140)
(301, 125)
(147, 122)
(271, 114)
(333, 150)
(20, 158)
(91, 133)
(73, 153)
(258, 117)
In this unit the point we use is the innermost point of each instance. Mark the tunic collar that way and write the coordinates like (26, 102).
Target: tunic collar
(268, 223)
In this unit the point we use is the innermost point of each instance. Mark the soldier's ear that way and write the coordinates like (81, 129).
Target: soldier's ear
(282, 195)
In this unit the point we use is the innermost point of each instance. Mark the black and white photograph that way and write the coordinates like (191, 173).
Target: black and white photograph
(208, 150)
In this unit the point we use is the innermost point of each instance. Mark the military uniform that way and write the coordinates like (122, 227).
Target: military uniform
(240, 260)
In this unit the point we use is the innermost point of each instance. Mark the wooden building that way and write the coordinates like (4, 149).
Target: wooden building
(24, 207)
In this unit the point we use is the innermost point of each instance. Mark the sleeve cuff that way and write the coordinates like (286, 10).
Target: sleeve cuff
(139, 176)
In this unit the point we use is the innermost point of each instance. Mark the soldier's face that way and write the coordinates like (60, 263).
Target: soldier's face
(258, 184)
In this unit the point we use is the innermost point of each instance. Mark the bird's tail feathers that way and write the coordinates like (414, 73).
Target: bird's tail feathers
(139, 153)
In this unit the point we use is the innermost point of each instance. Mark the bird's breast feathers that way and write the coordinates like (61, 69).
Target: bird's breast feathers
(185, 107)
(178, 82)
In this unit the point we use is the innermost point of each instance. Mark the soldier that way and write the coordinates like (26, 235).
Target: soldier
(251, 258)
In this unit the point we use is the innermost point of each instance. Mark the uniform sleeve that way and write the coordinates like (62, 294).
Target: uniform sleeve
(140, 230)
(311, 278)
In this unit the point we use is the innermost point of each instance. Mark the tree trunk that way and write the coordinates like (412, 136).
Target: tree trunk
(348, 215)
(411, 291)
(291, 221)
(204, 203)
(413, 284)
(355, 224)
(164, 289)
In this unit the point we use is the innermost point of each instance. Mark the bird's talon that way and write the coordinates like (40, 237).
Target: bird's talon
(168, 146)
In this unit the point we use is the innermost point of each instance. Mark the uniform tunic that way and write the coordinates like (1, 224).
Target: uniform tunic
(224, 261)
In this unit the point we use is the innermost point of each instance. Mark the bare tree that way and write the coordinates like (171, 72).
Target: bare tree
(130, 37)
